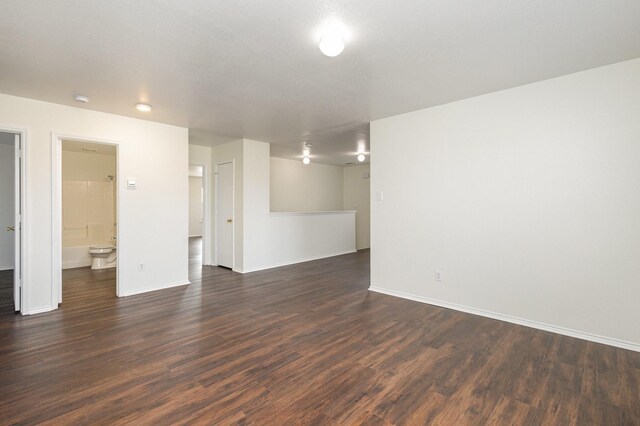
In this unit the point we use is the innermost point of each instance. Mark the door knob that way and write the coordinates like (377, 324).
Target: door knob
(11, 228)
(229, 220)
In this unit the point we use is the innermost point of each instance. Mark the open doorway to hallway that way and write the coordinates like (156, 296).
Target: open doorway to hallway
(196, 214)
(89, 218)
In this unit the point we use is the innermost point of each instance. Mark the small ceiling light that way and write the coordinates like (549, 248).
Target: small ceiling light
(81, 98)
(332, 41)
(361, 157)
(306, 151)
(143, 107)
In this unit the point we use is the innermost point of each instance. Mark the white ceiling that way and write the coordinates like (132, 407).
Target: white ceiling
(252, 69)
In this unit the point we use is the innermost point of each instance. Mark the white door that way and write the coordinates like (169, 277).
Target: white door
(224, 215)
(17, 270)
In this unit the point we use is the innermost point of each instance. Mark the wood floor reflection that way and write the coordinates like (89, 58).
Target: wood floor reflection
(299, 344)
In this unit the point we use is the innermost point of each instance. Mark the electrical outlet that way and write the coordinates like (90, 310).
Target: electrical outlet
(141, 267)
(438, 275)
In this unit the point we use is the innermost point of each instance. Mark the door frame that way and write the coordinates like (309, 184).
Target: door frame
(24, 231)
(206, 217)
(233, 208)
(56, 211)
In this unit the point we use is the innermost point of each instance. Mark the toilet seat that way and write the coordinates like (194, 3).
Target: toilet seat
(101, 248)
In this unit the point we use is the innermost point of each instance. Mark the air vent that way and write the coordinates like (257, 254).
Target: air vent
(348, 164)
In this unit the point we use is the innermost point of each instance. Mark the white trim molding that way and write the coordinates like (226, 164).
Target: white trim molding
(514, 320)
(39, 310)
(312, 213)
(293, 262)
(156, 287)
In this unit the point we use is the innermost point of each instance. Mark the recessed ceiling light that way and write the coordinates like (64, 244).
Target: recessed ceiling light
(81, 98)
(332, 41)
(361, 157)
(143, 107)
(306, 160)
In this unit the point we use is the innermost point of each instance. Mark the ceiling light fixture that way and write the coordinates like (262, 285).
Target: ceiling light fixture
(361, 157)
(143, 107)
(332, 41)
(306, 151)
(81, 98)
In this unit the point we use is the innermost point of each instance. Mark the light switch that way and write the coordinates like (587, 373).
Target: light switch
(380, 195)
(131, 184)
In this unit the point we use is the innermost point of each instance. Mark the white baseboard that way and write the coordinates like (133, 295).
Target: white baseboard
(155, 288)
(39, 310)
(293, 262)
(514, 320)
(69, 264)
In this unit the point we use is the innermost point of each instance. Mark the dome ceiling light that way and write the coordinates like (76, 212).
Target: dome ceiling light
(332, 41)
(143, 107)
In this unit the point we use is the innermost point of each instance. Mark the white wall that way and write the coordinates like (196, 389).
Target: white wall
(273, 239)
(153, 153)
(526, 199)
(357, 196)
(195, 206)
(296, 187)
(263, 239)
(7, 214)
(203, 156)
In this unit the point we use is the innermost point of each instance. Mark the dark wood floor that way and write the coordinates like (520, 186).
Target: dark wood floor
(299, 344)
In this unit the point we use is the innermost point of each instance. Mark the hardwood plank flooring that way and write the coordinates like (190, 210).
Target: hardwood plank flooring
(302, 344)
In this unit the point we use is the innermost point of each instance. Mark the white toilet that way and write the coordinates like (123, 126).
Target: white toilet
(103, 256)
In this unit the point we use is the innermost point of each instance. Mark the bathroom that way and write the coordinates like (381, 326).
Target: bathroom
(89, 196)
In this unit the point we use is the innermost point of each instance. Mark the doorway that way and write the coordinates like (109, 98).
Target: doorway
(225, 215)
(11, 217)
(86, 206)
(197, 214)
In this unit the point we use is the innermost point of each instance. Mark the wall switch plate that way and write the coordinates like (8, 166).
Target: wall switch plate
(141, 267)
(380, 195)
(437, 275)
(131, 184)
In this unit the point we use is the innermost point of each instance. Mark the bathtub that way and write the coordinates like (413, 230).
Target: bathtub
(75, 257)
